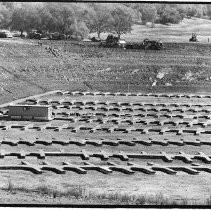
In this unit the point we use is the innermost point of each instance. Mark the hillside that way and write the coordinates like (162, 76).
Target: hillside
(28, 68)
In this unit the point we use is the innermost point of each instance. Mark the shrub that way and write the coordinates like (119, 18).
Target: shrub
(170, 15)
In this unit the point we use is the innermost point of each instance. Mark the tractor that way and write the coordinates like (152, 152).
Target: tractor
(152, 44)
(113, 42)
(35, 34)
(193, 38)
(94, 39)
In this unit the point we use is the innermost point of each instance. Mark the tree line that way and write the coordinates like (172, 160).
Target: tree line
(79, 19)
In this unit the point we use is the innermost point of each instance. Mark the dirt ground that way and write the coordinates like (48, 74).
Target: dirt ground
(28, 68)
(194, 188)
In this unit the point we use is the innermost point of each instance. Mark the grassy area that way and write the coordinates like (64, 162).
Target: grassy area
(83, 195)
(78, 192)
(171, 33)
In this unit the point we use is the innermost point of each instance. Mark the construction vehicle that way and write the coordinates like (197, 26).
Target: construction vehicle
(152, 44)
(38, 34)
(5, 34)
(34, 34)
(57, 36)
(116, 42)
(193, 38)
(94, 39)
(113, 41)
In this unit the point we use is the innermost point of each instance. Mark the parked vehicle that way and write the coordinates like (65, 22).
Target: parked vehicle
(18, 34)
(94, 39)
(38, 34)
(122, 43)
(145, 45)
(34, 35)
(193, 38)
(5, 34)
(152, 44)
(113, 42)
(57, 36)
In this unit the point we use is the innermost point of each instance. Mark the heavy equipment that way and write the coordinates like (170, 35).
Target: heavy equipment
(152, 44)
(193, 38)
(113, 41)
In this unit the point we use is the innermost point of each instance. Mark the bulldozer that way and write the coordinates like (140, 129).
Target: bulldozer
(94, 39)
(193, 38)
(152, 44)
(112, 42)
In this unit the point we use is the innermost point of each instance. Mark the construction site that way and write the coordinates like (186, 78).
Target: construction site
(136, 137)
(110, 122)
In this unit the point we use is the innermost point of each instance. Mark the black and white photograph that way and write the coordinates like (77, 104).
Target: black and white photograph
(105, 104)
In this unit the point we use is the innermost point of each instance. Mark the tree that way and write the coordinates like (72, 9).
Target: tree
(58, 17)
(182, 9)
(45, 19)
(64, 18)
(149, 13)
(136, 11)
(25, 17)
(197, 10)
(19, 20)
(5, 15)
(160, 9)
(191, 12)
(121, 21)
(209, 10)
(201, 11)
(79, 30)
(170, 15)
(99, 21)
